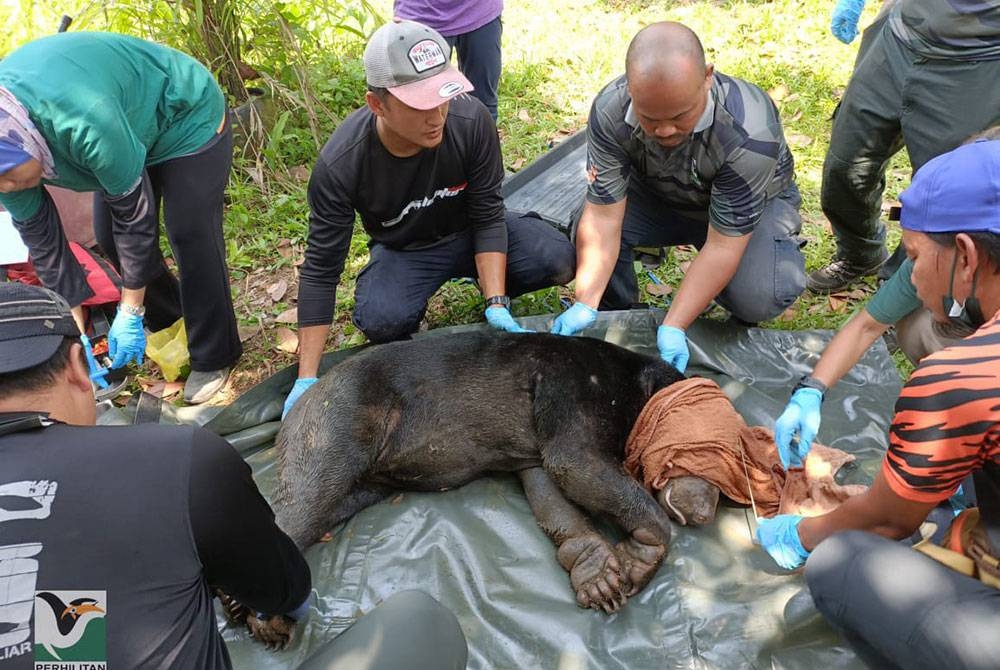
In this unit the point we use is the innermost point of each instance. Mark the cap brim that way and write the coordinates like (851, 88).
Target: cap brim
(433, 91)
(27, 352)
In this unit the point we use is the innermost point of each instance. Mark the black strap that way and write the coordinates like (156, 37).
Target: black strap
(17, 422)
(147, 409)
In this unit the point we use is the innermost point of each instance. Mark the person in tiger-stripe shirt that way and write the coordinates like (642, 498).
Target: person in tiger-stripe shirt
(897, 607)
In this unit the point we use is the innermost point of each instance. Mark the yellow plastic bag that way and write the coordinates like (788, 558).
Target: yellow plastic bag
(168, 349)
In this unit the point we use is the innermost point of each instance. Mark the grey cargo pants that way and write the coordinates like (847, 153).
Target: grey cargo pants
(896, 98)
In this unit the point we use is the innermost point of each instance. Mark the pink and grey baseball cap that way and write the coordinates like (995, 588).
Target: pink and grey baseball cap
(413, 61)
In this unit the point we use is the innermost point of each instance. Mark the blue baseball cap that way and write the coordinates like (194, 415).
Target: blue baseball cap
(12, 155)
(956, 192)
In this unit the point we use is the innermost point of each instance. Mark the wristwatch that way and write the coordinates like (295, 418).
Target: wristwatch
(134, 310)
(502, 300)
(810, 382)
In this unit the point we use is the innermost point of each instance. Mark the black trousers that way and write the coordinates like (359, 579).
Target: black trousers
(392, 291)
(191, 191)
(901, 609)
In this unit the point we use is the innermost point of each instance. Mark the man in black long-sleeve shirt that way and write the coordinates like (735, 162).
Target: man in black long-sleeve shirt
(421, 164)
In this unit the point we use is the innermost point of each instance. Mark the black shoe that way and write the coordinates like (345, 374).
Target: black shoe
(841, 273)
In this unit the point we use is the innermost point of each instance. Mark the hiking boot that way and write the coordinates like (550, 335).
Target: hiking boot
(841, 273)
(202, 386)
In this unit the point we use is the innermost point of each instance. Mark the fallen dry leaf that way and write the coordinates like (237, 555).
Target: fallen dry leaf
(299, 173)
(285, 249)
(288, 316)
(517, 164)
(162, 389)
(789, 314)
(797, 140)
(524, 116)
(257, 175)
(277, 290)
(662, 290)
(288, 340)
(837, 304)
(778, 93)
(683, 266)
(246, 332)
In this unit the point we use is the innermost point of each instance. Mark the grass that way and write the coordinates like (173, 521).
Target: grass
(557, 56)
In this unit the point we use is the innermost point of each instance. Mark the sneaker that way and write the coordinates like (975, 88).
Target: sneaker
(841, 273)
(202, 386)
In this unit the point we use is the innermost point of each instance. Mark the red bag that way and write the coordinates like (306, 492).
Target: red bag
(104, 281)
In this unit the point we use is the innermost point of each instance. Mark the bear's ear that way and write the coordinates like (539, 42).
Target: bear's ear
(651, 380)
(658, 375)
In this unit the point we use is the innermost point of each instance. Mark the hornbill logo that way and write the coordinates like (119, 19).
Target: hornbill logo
(63, 625)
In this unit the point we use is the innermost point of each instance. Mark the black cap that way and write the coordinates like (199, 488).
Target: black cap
(33, 323)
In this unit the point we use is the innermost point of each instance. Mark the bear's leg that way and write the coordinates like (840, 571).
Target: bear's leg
(599, 485)
(590, 560)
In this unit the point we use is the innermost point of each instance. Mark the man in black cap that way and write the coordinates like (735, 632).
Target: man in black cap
(119, 534)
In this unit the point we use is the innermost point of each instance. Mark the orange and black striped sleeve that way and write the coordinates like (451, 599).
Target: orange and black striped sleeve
(947, 421)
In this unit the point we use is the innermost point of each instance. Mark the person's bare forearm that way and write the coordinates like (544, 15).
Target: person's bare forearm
(492, 269)
(312, 342)
(133, 296)
(598, 243)
(847, 347)
(709, 273)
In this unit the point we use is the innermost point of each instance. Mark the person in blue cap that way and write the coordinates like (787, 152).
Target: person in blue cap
(899, 608)
(917, 332)
(139, 124)
(924, 79)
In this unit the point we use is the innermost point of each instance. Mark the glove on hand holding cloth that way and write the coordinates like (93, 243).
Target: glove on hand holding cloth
(690, 428)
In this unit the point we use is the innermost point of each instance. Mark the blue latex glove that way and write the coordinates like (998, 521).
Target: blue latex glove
(673, 346)
(844, 22)
(801, 416)
(300, 387)
(500, 318)
(97, 371)
(126, 339)
(779, 536)
(574, 319)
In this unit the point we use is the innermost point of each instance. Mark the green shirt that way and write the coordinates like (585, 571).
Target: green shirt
(108, 105)
(896, 298)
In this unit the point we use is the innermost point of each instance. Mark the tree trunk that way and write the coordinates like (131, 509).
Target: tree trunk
(219, 33)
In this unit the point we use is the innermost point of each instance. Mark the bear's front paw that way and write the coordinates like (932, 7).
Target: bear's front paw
(594, 572)
(275, 632)
(640, 557)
